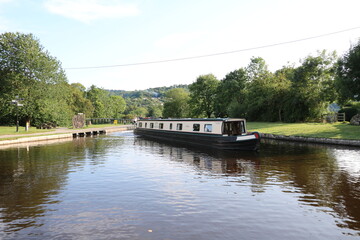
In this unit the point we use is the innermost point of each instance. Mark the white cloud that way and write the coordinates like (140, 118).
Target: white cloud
(89, 10)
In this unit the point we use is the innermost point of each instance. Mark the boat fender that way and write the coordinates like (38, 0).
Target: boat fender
(257, 135)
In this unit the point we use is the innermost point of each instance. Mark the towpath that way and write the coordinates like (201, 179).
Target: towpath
(67, 130)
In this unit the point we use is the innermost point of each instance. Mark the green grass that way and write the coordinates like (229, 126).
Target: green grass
(5, 130)
(319, 130)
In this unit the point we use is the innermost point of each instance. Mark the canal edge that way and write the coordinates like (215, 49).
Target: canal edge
(36, 139)
(66, 134)
(343, 142)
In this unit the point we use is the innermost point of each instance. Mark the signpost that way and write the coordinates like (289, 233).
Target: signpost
(18, 104)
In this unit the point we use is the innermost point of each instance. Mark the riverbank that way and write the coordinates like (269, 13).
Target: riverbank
(59, 133)
(324, 133)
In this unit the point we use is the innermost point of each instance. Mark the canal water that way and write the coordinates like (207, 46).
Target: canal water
(120, 186)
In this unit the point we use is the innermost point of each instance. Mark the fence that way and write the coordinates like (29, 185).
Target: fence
(95, 121)
(341, 117)
(335, 117)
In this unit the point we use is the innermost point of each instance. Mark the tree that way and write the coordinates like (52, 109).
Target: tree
(281, 92)
(140, 112)
(312, 88)
(98, 97)
(117, 105)
(155, 110)
(257, 104)
(78, 101)
(105, 106)
(257, 68)
(348, 74)
(202, 95)
(176, 103)
(28, 71)
(230, 92)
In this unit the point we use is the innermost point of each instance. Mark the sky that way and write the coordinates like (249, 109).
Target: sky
(106, 42)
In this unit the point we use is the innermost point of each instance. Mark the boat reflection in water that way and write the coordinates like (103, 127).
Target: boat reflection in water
(204, 158)
(321, 176)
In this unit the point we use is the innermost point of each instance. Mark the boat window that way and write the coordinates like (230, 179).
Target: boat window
(161, 125)
(179, 126)
(140, 124)
(170, 126)
(145, 125)
(151, 125)
(243, 130)
(208, 128)
(196, 127)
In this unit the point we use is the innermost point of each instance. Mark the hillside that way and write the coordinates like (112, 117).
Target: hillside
(158, 92)
(148, 102)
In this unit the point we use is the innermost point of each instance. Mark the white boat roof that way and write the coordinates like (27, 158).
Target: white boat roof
(194, 119)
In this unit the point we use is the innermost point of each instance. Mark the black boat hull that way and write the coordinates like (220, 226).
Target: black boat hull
(248, 142)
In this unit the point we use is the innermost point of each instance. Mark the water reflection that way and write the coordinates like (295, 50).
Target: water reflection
(120, 187)
(29, 177)
(321, 176)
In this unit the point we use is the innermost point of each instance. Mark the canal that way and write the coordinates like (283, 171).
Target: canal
(120, 186)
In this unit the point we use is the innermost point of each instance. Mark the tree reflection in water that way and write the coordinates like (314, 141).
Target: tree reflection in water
(326, 176)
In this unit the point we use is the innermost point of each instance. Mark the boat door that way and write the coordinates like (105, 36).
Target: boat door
(233, 128)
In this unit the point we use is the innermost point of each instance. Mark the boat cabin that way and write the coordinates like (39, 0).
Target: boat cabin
(219, 126)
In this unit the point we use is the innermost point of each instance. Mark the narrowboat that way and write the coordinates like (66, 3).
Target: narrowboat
(219, 133)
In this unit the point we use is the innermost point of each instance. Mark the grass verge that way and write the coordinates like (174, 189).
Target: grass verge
(11, 131)
(318, 130)
(5, 130)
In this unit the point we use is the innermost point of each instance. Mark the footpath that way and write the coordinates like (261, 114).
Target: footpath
(58, 133)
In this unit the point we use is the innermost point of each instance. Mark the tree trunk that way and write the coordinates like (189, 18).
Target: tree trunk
(280, 115)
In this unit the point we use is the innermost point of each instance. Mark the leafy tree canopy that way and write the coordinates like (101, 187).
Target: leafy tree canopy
(202, 95)
(312, 88)
(176, 103)
(105, 105)
(28, 71)
(348, 81)
(231, 90)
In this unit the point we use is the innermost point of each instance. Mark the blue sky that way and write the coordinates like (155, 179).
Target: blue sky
(95, 33)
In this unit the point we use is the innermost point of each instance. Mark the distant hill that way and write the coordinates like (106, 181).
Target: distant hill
(158, 92)
(148, 102)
